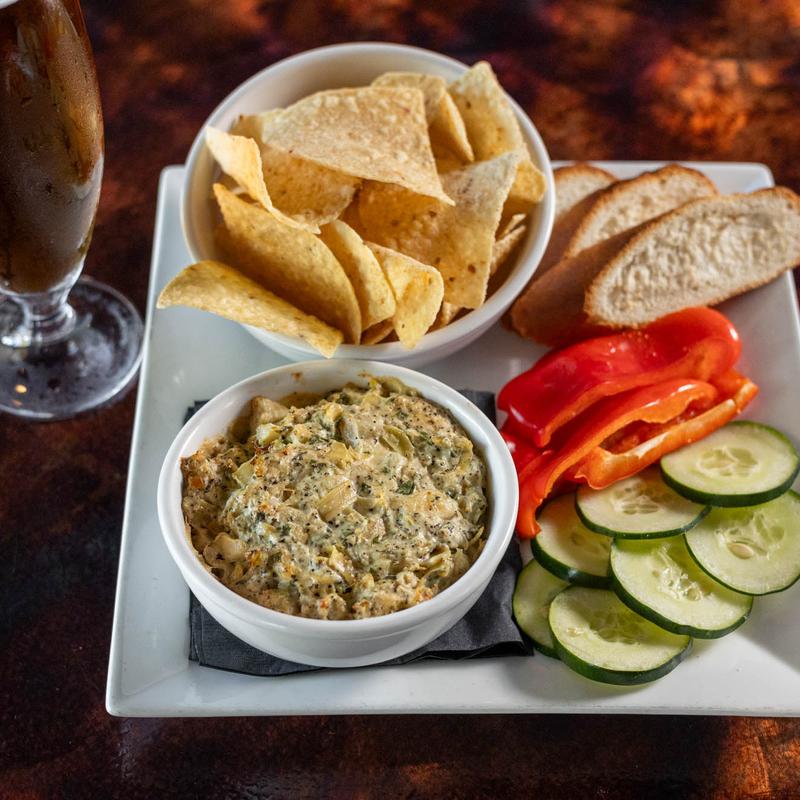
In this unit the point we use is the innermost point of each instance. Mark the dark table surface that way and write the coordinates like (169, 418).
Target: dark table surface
(628, 80)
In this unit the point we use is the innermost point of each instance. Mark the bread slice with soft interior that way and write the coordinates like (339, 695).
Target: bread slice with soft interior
(576, 181)
(625, 204)
(550, 310)
(699, 255)
(577, 188)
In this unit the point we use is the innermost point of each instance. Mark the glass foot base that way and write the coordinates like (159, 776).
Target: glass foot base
(87, 369)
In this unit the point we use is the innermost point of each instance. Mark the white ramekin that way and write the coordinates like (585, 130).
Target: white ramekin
(354, 65)
(340, 643)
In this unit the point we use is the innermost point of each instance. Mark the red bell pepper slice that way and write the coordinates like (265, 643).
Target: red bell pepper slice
(521, 451)
(602, 467)
(658, 403)
(697, 343)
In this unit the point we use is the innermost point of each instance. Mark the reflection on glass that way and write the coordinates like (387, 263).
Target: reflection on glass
(57, 357)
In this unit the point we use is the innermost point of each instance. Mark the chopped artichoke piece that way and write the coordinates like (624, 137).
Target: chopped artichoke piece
(267, 433)
(244, 473)
(337, 499)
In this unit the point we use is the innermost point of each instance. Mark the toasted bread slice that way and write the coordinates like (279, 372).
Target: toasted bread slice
(701, 254)
(625, 204)
(577, 181)
(550, 310)
(577, 188)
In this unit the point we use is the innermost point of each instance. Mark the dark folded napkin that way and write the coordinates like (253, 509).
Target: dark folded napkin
(486, 630)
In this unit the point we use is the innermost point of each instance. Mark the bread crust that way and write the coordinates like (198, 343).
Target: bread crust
(563, 230)
(626, 193)
(550, 310)
(591, 313)
(592, 179)
(563, 305)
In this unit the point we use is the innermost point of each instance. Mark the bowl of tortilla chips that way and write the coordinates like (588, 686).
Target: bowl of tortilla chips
(370, 201)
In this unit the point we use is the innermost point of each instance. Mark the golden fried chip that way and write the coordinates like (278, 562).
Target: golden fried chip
(307, 192)
(445, 125)
(252, 125)
(418, 289)
(447, 313)
(493, 129)
(215, 287)
(447, 162)
(373, 132)
(504, 246)
(458, 239)
(432, 87)
(377, 333)
(448, 130)
(528, 189)
(240, 158)
(293, 263)
(509, 224)
(374, 295)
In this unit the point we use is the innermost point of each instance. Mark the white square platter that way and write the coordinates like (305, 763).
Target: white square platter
(190, 356)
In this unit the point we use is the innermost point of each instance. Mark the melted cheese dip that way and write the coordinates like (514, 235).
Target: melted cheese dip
(359, 504)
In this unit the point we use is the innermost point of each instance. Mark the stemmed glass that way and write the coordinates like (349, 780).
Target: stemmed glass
(66, 345)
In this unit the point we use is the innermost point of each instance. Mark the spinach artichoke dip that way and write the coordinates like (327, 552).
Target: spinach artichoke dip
(364, 502)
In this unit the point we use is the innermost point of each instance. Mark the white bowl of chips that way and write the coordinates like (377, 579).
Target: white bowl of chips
(356, 216)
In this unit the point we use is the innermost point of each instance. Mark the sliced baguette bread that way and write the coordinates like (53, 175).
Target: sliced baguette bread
(550, 310)
(577, 181)
(625, 204)
(577, 188)
(699, 254)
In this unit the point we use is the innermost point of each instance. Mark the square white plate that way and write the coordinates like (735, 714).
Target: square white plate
(190, 356)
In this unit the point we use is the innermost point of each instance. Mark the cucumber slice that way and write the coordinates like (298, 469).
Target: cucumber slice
(742, 464)
(753, 550)
(639, 507)
(568, 549)
(602, 639)
(534, 592)
(658, 579)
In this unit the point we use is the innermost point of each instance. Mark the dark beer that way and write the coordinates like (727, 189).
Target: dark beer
(51, 144)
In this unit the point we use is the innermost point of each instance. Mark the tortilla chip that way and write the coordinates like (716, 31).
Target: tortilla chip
(310, 194)
(418, 289)
(528, 189)
(448, 130)
(458, 239)
(292, 263)
(215, 287)
(374, 295)
(350, 216)
(501, 250)
(447, 313)
(432, 87)
(445, 125)
(509, 224)
(373, 132)
(493, 129)
(377, 333)
(252, 125)
(447, 162)
(240, 158)
(504, 246)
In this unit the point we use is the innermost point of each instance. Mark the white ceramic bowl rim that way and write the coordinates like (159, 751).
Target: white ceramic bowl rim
(504, 478)
(494, 304)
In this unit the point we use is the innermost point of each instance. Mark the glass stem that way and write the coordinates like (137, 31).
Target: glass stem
(49, 316)
(45, 318)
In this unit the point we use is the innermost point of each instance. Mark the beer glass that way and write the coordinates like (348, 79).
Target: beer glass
(66, 345)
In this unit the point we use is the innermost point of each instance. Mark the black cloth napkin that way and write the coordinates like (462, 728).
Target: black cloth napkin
(487, 629)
